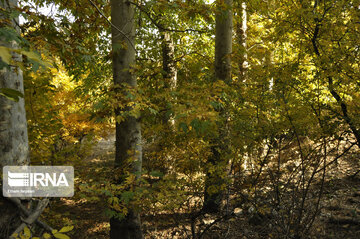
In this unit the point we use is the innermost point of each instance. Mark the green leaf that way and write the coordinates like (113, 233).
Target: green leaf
(66, 229)
(156, 174)
(152, 111)
(35, 57)
(11, 94)
(127, 196)
(183, 126)
(5, 54)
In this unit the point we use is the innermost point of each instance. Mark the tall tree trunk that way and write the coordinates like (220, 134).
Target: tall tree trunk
(128, 131)
(223, 40)
(214, 183)
(241, 38)
(169, 73)
(169, 68)
(14, 145)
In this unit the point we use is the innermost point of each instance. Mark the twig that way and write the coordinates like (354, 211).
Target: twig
(226, 216)
(24, 210)
(160, 26)
(120, 31)
(32, 217)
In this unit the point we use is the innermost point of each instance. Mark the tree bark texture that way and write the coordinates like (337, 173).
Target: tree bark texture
(241, 38)
(14, 145)
(128, 131)
(214, 181)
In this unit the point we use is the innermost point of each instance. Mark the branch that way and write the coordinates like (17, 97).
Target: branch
(24, 210)
(226, 216)
(160, 26)
(120, 31)
(32, 217)
(344, 110)
(332, 90)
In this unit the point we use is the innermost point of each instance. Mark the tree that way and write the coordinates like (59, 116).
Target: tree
(14, 149)
(241, 26)
(13, 134)
(128, 131)
(223, 50)
(169, 67)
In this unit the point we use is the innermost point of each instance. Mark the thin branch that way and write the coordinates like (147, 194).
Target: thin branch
(32, 217)
(226, 216)
(120, 31)
(24, 210)
(160, 26)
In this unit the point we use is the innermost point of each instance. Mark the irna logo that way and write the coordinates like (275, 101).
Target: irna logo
(38, 181)
(35, 179)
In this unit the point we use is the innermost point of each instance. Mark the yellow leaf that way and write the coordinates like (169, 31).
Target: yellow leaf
(46, 235)
(5, 54)
(27, 232)
(15, 235)
(66, 229)
(35, 57)
(61, 236)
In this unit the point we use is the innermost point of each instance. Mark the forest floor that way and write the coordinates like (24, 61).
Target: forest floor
(339, 217)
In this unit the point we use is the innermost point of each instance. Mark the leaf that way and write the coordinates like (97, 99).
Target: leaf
(152, 111)
(11, 94)
(5, 54)
(66, 229)
(46, 235)
(32, 55)
(183, 126)
(61, 236)
(127, 196)
(27, 232)
(156, 174)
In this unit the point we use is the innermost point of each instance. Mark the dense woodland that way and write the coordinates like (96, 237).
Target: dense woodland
(184, 118)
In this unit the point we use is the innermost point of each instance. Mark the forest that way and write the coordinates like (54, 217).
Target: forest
(197, 119)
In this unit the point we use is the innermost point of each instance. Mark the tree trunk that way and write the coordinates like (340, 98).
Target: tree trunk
(14, 145)
(169, 68)
(214, 182)
(128, 131)
(169, 75)
(223, 40)
(241, 37)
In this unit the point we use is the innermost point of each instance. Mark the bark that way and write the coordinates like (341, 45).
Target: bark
(169, 73)
(223, 40)
(14, 146)
(128, 132)
(169, 68)
(241, 37)
(223, 50)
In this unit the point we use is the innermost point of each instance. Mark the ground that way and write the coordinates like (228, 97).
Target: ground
(339, 217)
